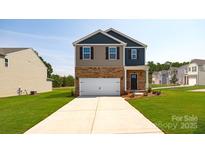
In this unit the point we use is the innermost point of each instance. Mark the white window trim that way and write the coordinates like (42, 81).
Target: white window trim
(109, 53)
(90, 52)
(133, 54)
(193, 70)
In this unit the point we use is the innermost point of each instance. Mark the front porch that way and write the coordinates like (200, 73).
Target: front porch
(136, 78)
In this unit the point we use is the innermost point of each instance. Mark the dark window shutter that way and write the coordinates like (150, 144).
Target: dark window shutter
(106, 53)
(81, 52)
(129, 53)
(92, 53)
(118, 52)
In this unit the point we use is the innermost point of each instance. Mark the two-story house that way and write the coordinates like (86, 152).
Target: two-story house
(22, 71)
(182, 75)
(164, 76)
(160, 77)
(109, 63)
(196, 72)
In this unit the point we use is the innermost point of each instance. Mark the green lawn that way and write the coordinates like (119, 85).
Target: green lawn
(19, 113)
(176, 110)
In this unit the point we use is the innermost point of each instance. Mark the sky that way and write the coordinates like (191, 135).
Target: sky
(167, 40)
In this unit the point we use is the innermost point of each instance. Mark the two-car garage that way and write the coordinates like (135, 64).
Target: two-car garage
(99, 86)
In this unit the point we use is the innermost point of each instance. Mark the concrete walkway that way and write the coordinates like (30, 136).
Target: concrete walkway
(169, 87)
(96, 115)
(198, 90)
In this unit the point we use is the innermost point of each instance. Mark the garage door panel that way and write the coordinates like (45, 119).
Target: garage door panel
(99, 86)
(192, 80)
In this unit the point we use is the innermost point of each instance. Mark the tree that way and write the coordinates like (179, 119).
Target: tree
(165, 66)
(174, 79)
(156, 67)
(65, 81)
(49, 67)
(152, 66)
(57, 80)
(68, 81)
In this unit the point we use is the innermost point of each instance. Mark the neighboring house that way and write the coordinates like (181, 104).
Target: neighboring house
(164, 76)
(191, 74)
(160, 77)
(22, 71)
(196, 72)
(171, 72)
(109, 63)
(156, 78)
(182, 75)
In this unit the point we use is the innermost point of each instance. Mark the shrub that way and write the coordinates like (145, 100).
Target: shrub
(145, 93)
(149, 90)
(72, 92)
(154, 92)
(158, 93)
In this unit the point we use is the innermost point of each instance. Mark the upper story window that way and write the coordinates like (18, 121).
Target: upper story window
(86, 52)
(189, 69)
(112, 53)
(194, 69)
(6, 62)
(133, 53)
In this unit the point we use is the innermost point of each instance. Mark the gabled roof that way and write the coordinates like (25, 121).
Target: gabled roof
(126, 36)
(198, 61)
(96, 32)
(5, 51)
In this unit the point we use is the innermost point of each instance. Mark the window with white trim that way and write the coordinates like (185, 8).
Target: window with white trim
(112, 53)
(133, 53)
(194, 69)
(86, 52)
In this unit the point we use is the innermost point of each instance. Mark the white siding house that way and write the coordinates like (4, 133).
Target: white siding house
(196, 72)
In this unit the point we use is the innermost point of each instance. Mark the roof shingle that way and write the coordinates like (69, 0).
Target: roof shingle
(5, 51)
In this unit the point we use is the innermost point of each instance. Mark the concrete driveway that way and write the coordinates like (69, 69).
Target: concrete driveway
(96, 115)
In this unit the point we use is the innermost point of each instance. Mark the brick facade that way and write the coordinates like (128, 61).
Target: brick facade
(141, 79)
(99, 72)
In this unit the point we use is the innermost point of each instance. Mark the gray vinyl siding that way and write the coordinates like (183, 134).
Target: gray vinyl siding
(129, 42)
(135, 62)
(99, 38)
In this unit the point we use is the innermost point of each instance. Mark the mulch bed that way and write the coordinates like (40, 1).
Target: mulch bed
(132, 96)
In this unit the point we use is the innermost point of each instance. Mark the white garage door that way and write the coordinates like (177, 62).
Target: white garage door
(192, 80)
(99, 86)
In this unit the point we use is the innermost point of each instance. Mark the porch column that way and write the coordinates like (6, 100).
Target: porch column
(125, 79)
(147, 79)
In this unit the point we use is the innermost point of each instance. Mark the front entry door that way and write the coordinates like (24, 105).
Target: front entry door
(133, 81)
